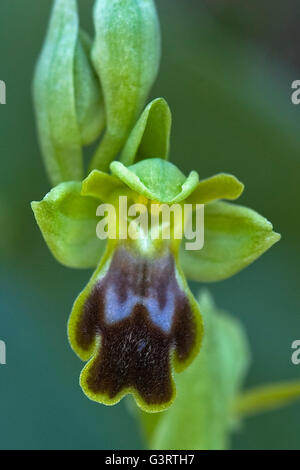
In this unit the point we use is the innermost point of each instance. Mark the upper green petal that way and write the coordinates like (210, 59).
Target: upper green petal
(221, 186)
(156, 179)
(150, 137)
(68, 223)
(100, 185)
(234, 236)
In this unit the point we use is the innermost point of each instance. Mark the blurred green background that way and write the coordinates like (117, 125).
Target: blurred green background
(226, 72)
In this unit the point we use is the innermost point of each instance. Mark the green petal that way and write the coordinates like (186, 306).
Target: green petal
(156, 179)
(234, 236)
(150, 137)
(68, 223)
(100, 185)
(126, 56)
(205, 390)
(221, 186)
(266, 397)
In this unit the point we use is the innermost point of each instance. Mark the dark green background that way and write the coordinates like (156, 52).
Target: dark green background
(226, 72)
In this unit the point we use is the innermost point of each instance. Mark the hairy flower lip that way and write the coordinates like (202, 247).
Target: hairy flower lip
(148, 323)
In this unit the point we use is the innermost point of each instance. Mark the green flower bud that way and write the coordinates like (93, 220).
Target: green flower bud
(126, 55)
(88, 94)
(67, 95)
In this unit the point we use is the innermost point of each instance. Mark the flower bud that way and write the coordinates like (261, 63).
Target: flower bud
(88, 94)
(126, 55)
(67, 95)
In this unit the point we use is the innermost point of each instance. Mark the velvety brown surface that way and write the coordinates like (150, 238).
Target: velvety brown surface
(139, 323)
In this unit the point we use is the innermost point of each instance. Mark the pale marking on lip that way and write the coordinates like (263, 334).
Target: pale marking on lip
(117, 311)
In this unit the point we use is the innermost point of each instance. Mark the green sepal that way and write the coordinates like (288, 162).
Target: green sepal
(67, 95)
(68, 223)
(206, 390)
(100, 185)
(156, 179)
(234, 236)
(220, 186)
(150, 138)
(126, 54)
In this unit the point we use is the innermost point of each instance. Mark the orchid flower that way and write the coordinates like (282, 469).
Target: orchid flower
(136, 323)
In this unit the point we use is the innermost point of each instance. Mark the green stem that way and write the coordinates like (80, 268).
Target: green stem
(107, 151)
(266, 397)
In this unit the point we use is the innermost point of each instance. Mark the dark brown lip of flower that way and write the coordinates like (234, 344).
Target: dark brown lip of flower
(142, 316)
